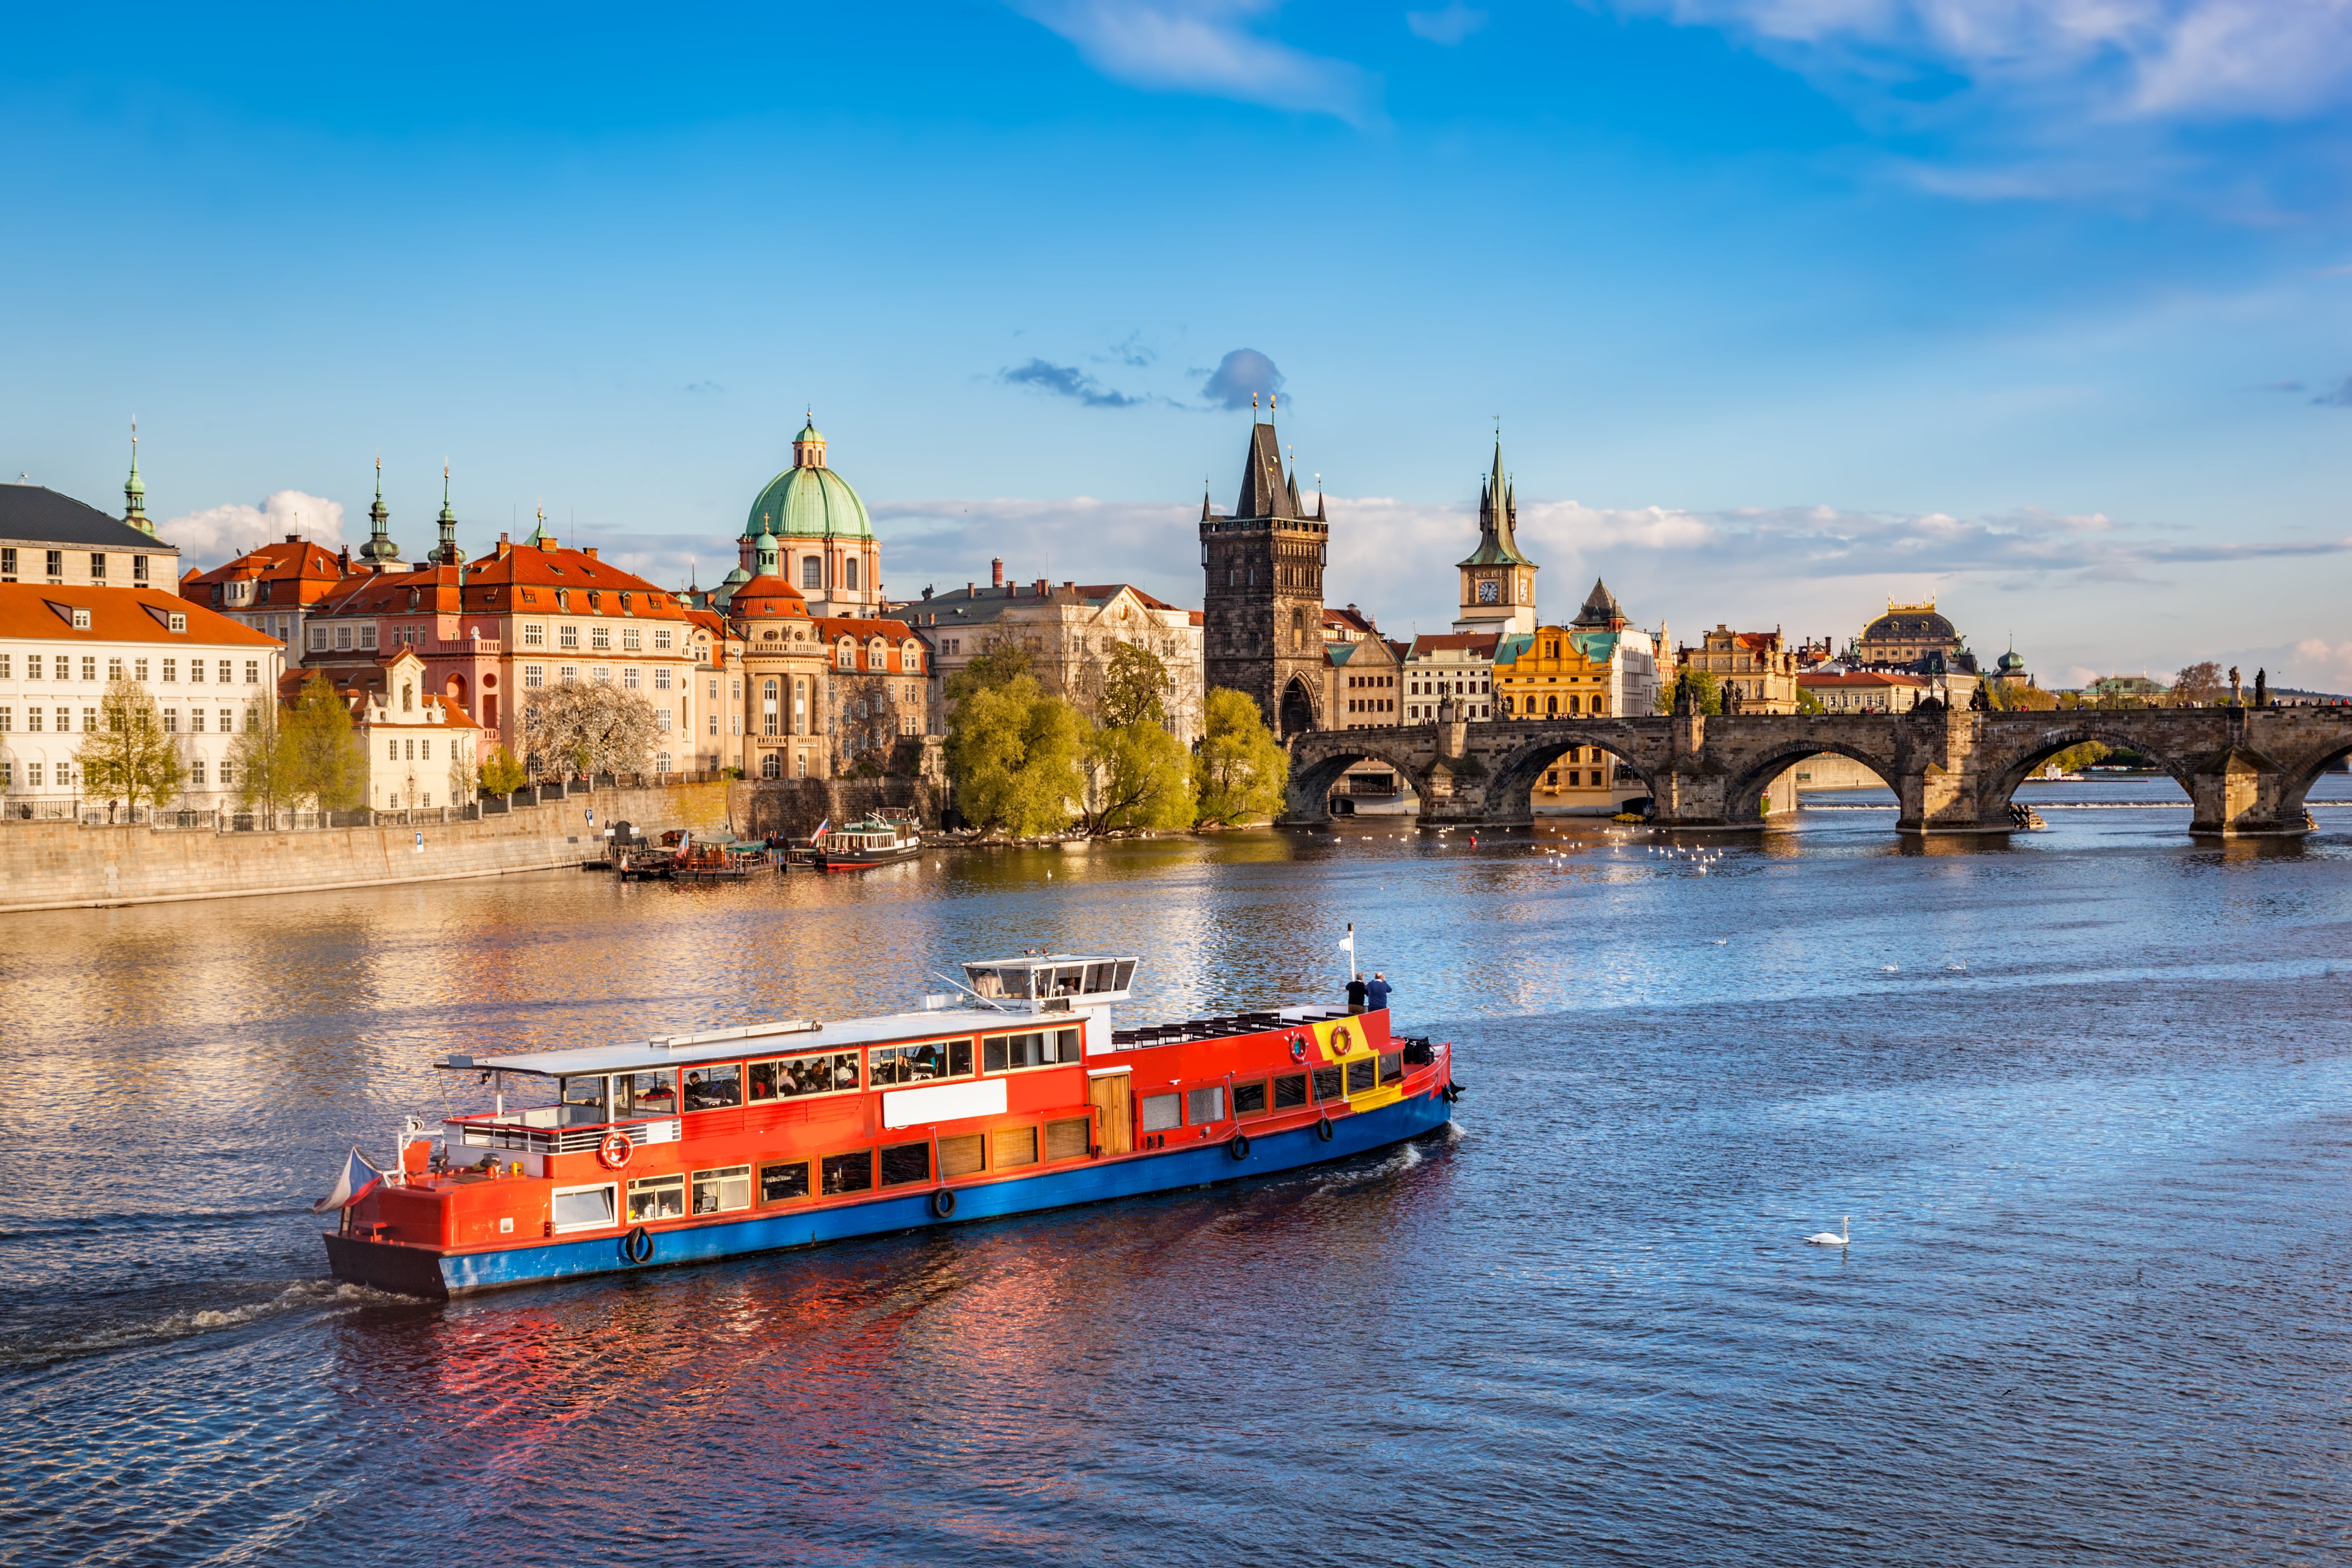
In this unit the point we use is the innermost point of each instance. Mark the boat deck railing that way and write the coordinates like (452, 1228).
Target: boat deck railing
(514, 1129)
(1220, 1027)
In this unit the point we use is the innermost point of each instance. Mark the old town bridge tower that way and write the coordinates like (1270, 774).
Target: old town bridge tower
(1263, 613)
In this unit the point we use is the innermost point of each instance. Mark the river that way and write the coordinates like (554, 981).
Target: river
(2083, 1094)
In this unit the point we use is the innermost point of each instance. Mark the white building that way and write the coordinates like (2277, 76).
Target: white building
(61, 647)
(1451, 666)
(421, 746)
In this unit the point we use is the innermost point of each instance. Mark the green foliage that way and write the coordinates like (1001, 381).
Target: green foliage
(324, 762)
(1807, 701)
(500, 773)
(263, 756)
(1135, 688)
(1241, 769)
(129, 757)
(2074, 759)
(1003, 661)
(1136, 777)
(1709, 692)
(1015, 757)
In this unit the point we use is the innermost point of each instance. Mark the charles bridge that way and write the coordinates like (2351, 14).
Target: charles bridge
(2245, 770)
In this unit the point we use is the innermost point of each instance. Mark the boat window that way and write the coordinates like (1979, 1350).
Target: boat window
(1101, 977)
(920, 1064)
(1392, 1067)
(1249, 1099)
(1126, 974)
(1162, 1111)
(1289, 1089)
(1362, 1075)
(714, 1087)
(790, 1078)
(1205, 1105)
(657, 1198)
(849, 1172)
(1042, 1048)
(985, 983)
(716, 1191)
(646, 1093)
(1327, 1084)
(1069, 1138)
(961, 1156)
(583, 1208)
(784, 1181)
(1016, 983)
(1070, 979)
(905, 1163)
(1013, 1146)
(581, 1094)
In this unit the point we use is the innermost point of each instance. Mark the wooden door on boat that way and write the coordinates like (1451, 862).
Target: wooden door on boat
(1108, 1095)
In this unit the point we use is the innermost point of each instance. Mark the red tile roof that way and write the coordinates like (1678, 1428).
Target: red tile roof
(315, 569)
(1465, 642)
(35, 610)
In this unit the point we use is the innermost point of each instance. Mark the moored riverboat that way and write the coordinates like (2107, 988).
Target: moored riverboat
(1018, 1096)
(883, 838)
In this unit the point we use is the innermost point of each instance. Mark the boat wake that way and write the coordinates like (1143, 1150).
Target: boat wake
(329, 1295)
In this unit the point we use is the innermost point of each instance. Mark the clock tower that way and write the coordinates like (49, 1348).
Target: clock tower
(1498, 583)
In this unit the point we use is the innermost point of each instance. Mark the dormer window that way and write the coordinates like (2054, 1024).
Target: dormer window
(81, 621)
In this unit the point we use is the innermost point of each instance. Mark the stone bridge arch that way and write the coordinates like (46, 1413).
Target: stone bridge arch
(1743, 794)
(2077, 727)
(1512, 771)
(2301, 767)
(1319, 760)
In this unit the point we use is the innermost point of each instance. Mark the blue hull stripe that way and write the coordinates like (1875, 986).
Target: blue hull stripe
(1092, 1183)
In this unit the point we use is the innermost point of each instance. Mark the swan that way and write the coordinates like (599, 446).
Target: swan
(1723, 942)
(1890, 969)
(1824, 1238)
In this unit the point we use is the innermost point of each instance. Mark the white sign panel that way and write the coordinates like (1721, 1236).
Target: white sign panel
(943, 1103)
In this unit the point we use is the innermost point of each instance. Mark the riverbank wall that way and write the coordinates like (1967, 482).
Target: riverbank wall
(68, 865)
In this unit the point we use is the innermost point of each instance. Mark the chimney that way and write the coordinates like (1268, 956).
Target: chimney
(344, 561)
(293, 539)
(1041, 587)
(970, 588)
(1068, 586)
(996, 573)
(590, 553)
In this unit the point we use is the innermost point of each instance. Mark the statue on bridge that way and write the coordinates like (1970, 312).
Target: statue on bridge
(2262, 688)
(1977, 701)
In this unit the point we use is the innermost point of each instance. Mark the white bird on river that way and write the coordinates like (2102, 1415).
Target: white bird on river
(1824, 1238)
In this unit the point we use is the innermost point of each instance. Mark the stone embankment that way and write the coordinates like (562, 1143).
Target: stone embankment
(66, 865)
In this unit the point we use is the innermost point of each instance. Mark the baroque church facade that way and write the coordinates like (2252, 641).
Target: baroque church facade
(1262, 614)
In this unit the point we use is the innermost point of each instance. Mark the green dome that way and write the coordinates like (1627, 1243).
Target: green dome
(809, 503)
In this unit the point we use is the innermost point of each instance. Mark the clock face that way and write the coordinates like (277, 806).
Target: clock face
(1489, 592)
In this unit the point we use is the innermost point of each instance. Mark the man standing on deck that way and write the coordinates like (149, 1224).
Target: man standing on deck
(1357, 989)
(1376, 994)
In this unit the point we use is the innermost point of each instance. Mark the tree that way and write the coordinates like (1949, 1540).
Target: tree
(263, 756)
(1241, 770)
(1807, 700)
(500, 774)
(1015, 757)
(324, 762)
(1136, 777)
(1703, 684)
(128, 756)
(1136, 688)
(2074, 759)
(2199, 682)
(571, 728)
(1003, 661)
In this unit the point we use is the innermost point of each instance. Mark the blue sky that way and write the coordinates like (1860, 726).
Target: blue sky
(1785, 306)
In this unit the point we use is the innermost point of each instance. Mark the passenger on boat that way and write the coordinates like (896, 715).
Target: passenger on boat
(1376, 994)
(1357, 992)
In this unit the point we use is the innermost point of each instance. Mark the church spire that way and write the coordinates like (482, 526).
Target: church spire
(448, 554)
(134, 490)
(379, 549)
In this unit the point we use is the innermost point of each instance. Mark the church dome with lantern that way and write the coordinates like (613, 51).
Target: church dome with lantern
(809, 500)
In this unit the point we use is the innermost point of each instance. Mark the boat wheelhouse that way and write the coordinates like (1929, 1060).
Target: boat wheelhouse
(883, 838)
(1018, 1095)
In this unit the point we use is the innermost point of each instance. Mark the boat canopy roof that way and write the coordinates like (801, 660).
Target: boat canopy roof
(788, 1037)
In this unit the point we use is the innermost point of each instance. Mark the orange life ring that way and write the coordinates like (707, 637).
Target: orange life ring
(614, 1150)
(1341, 1041)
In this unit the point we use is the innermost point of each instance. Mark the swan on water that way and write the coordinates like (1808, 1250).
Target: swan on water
(1824, 1238)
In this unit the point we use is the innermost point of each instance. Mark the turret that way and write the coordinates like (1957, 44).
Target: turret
(448, 554)
(134, 490)
(379, 551)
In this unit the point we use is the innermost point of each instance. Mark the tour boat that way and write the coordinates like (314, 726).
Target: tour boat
(882, 840)
(1018, 1095)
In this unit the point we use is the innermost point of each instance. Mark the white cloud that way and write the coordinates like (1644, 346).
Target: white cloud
(1207, 47)
(219, 533)
(2269, 60)
(1448, 26)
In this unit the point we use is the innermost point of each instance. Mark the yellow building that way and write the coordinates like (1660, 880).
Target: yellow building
(1600, 667)
(1756, 670)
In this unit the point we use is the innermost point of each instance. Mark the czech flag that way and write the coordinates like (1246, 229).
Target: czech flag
(821, 829)
(357, 1181)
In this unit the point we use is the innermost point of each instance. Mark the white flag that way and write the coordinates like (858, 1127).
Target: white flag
(1350, 943)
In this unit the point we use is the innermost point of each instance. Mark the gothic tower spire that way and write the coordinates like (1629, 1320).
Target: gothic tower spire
(448, 554)
(134, 490)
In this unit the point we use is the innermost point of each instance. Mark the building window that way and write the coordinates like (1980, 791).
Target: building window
(567, 673)
(567, 637)
(630, 679)
(171, 721)
(661, 679)
(632, 639)
(534, 636)
(600, 638)
(57, 563)
(771, 766)
(661, 639)
(534, 674)
(139, 568)
(812, 572)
